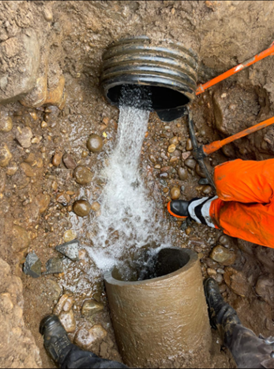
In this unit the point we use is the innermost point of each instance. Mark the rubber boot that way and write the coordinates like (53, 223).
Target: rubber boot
(56, 340)
(178, 208)
(222, 316)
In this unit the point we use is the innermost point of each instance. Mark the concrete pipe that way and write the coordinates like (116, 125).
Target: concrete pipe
(166, 68)
(164, 319)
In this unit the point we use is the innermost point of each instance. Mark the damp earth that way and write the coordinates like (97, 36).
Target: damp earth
(57, 139)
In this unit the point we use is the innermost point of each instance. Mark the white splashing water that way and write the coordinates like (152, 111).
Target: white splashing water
(128, 215)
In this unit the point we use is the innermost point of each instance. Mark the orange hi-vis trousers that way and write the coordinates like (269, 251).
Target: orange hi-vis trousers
(244, 207)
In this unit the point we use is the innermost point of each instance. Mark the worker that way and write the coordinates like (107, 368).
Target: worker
(248, 350)
(244, 204)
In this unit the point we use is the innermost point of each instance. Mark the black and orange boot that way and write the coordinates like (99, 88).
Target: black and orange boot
(178, 209)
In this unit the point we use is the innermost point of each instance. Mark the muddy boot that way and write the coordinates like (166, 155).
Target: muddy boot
(222, 316)
(56, 340)
(178, 208)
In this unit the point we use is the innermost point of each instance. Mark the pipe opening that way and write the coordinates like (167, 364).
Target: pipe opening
(150, 266)
(162, 98)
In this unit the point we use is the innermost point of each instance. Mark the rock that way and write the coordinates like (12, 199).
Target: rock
(20, 238)
(27, 169)
(81, 208)
(54, 266)
(5, 155)
(2, 180)
(171, 148)
(48, 15)
(265, 289)
(95, 143)
(60, 304)
(63, 198)
(53, 287)
(152, 158)
(190, 163)
(24, 136)
(236, 281)
(68, 304)
(175, 193)
(11, 168)
(68, 321)
(189, 145)
(69, 249)
(174, 141)
(218, 278)
(177, 154)
(5, 122)
(57, 158)
(69, 161)
(174, 159)
(211, 272)
(91, 307)
(32, 265)
(95, 206)
(43, 201)
(186, 155)
(82, 175)
(21, 56)
(223, 256)
(182, 172)
(207, 190)
(56, 95)
(225, 241)
(69, 235)
(199, 171)
(203, 181)
(38, 95)
(86, 338)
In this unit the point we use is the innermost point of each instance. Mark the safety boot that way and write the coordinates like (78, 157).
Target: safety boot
(56, 340)
(221, 315)
(178, 208)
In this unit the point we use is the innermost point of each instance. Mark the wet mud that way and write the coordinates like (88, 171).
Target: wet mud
(49, 110)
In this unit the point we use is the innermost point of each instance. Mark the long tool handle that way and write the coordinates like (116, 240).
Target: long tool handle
(230, 72)
(216, 145)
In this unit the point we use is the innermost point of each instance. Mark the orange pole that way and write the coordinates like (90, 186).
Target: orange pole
(216, 145)
(230, 72)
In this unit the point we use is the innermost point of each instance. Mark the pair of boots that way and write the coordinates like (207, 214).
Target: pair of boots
(64, 353)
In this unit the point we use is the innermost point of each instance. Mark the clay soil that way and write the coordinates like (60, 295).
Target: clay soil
(36, 195)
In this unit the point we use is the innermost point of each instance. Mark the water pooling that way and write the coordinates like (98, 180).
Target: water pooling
(128, 218)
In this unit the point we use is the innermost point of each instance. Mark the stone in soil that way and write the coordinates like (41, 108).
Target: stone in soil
(54, 266)
(27, 169)
(190, 163)
(86, 338)
(60, 304)
(83, 175)
(69, 235)
(5, 155)
(81, 208)
(24, 136)
(171, 148)
(182, 172)
(95, 206)
(68, 304)
(63, 198)
(5, 122)
(199, 171)
(91, 307)
(69, 249)
(69, 161)
(32, 265)
(223, 256)
(43, 201)
(265, 289)
(175, 193)
(237, 281)
(189, 145)
(57, 158)
(68, 321)
(11, 168)
(203, 181)
(95, 143)
(207, 190)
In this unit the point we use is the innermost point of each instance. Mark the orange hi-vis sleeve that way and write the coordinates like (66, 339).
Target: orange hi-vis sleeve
(245, 204)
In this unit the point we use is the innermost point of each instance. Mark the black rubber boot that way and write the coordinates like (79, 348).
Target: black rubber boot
(221, 314)
(56, 340)
(178, 208)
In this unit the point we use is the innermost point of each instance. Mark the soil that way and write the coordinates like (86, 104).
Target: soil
(50, 65)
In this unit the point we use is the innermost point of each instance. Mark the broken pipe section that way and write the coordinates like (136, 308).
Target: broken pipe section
(163, 317)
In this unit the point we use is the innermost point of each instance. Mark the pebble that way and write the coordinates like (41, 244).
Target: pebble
(237, 281)
(211, 271)
(63, 198)
(55, 289)
(82, 175)
(86, 338)
(177, 154)
(32, 265)
(223, 256)
(68, 161)
(91, 307)
(60, 304)
(189, 146)
(174, 141)
(186, 155)
(11, 168)
(69, 235)
(207, 190)
(265, 289)
(81, 208)
(69, 249)
(152, 158)
(190, 163)
(95, 206)
(84, 154)
(225, 241)
(165, 189)
(174, 159)
(24, 136)
(175, 193)
(218, 278)
(43, 202)
(68, 321)
(188, 230)
(157, 166)
(199, 171)
(5, 155)
(182, 173)
(171, 148)
(57, 158)
(203, 181)
(44, 124)
(68, 304)
(54, 266)
(27, 169)
(5, 123)
(47, 15)
(95, 143)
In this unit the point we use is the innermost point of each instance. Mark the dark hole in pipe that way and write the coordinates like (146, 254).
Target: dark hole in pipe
(149, 266)
(162, 98)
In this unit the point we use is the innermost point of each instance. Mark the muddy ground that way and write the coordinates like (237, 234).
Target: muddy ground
(50, 102)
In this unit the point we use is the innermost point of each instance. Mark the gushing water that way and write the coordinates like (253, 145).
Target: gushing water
(128, 215)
